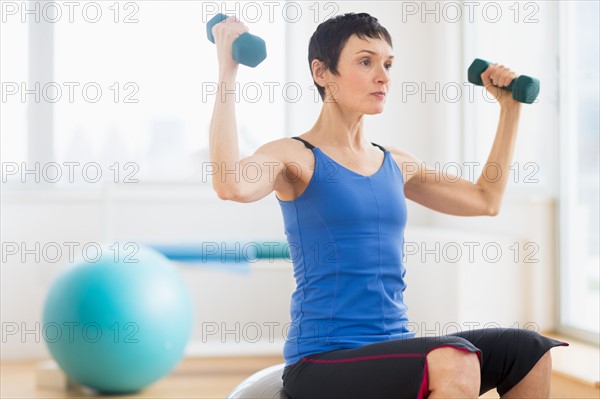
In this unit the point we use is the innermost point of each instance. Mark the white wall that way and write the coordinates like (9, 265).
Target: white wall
(443, 287)
(154, 214)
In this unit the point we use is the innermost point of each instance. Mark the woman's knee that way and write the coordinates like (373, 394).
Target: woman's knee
(453, 370)
(545, 362)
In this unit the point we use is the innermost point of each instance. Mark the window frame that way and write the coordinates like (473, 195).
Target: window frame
(40, 129)
(567, 151)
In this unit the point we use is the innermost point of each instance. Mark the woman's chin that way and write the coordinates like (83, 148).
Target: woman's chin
(375, 110)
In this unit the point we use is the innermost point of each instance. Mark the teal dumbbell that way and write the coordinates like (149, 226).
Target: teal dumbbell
(525, 89)
(247, 49)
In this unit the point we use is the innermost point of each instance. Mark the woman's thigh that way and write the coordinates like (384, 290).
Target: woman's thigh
(388, 369)
(508, 354)
(397, 368)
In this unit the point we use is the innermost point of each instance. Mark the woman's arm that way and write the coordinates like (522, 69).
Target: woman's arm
(452, 195)
(231, 178)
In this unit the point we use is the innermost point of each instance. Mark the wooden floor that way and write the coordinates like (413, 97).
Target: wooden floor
(209, 378)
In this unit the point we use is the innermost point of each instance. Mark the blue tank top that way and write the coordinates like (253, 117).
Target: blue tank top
(346, 234)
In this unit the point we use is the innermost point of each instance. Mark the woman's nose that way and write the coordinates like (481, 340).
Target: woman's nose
(382, 75)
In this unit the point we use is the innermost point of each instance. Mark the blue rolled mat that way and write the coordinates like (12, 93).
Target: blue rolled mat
(234, 256)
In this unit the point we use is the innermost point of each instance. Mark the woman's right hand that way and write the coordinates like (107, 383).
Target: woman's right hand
(225, 34)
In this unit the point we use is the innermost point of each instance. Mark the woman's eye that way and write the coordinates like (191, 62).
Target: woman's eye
(367, 62)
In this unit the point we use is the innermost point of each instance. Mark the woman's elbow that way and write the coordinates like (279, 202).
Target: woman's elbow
(492, 209)
(236, 196)
(488, 203)
(493, 212)
(225, 194)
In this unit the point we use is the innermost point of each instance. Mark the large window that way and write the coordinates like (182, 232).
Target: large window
(579, 180)
(14, 60)
(133, 83)
(557, 154)
(517, 34)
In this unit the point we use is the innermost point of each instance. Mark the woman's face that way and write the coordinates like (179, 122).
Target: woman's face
(363, 70)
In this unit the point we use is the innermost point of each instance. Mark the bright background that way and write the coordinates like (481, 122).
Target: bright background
(156, 70)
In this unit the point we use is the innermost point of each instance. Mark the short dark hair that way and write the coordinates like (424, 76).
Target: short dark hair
(329, 39)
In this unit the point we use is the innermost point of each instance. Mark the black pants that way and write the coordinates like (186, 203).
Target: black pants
(398, 368)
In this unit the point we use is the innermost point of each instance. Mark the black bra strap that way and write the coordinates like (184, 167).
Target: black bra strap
(377, 145)
(310, 146)
(306, 143)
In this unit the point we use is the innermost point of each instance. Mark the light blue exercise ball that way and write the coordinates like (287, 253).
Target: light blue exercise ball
(119, 322)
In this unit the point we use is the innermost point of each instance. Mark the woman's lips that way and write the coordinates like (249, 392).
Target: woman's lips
(379, 94)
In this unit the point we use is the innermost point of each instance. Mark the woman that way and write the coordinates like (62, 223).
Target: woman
(343, 202)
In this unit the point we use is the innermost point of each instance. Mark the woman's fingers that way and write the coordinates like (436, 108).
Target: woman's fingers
(486, 76)
(496, 77)
(501, 76)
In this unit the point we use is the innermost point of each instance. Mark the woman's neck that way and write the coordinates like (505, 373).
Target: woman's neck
(343, 131)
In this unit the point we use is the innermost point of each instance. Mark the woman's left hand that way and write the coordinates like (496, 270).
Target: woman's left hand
(494, 78)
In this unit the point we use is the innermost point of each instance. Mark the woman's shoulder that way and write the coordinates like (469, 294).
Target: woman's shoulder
(407, 162)
(297, 163)
(286, 149)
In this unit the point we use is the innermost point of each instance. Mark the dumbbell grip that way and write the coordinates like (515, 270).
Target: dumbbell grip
(524, 88)
(477, 68)
(218, 19)
(246, 49)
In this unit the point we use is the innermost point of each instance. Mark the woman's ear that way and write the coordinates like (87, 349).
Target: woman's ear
(318, 70)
